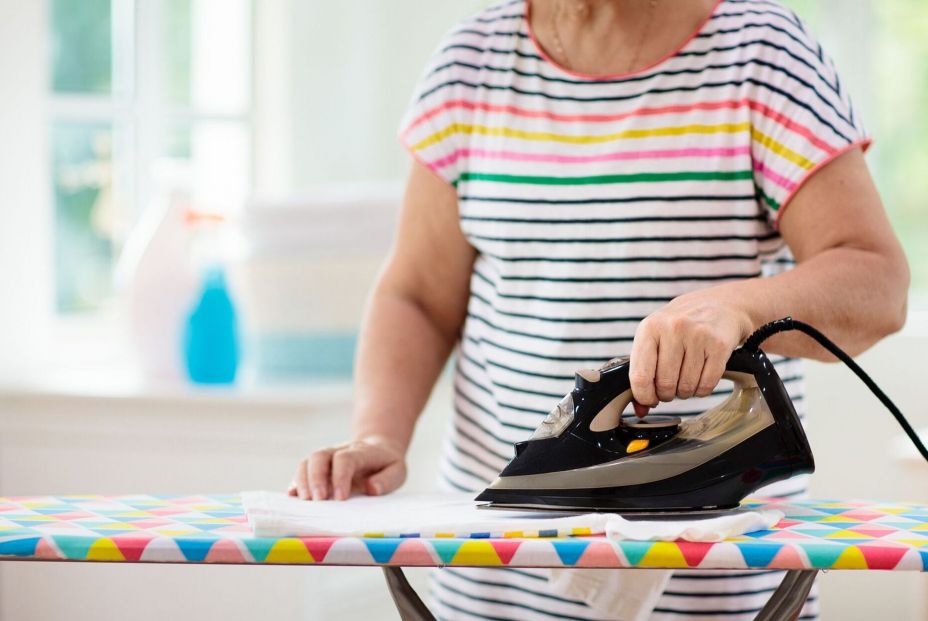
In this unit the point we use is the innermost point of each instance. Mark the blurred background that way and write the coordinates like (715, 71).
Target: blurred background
(176, 171)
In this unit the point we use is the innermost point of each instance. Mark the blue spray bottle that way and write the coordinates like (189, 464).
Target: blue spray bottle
(211, 350)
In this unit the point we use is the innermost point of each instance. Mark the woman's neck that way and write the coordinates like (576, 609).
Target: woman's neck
(601, 37)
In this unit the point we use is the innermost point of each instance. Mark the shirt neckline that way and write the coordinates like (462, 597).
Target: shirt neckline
(613, 76)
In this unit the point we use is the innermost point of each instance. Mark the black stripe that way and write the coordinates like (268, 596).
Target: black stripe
(475, 383)
(490, 50)
(547, 395)
(685, 278)
(612, 201)
(456, 486)
(654, 259)
(555, 339)
(631, 319)
(540, 356)
(719, 594)
(461, 576)
(522, 572)
(726, 576)
(783, 15)
(491, 33)
(529, 373)
(573, 300)
(720, 612)
(654, 91)
(632, 219)
(626, 240)
(500, 602)
(490, 20)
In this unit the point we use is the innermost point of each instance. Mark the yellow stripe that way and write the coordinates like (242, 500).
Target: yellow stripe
(460, 128)
(781, 149)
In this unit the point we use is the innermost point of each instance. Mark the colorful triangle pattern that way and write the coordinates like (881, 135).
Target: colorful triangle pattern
(212, 529)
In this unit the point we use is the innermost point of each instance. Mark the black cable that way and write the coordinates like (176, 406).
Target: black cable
(788, 323)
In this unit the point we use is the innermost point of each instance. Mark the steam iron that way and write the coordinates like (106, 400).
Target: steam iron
(587, 456)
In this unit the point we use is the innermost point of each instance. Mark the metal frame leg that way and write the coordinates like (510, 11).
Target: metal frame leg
(787, 601)
(404, 596)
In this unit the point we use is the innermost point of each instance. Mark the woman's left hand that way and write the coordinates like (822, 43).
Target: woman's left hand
(680, 351)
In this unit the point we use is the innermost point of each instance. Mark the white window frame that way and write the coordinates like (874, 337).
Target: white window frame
(139, 116)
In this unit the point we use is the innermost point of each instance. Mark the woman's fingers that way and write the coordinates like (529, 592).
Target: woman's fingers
(300, 484)
(643, 365)
(345, 462)
(669, 360)
(694, 358)
(318, 469)
(387, 479)
(712, 370)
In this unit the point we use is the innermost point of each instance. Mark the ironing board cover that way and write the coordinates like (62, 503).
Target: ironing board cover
(213, 529)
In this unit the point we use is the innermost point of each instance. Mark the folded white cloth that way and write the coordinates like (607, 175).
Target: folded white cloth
(278, 515)
(631, 594)
(425, 515)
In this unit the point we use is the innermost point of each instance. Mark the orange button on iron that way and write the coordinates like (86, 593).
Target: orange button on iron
(637, 445)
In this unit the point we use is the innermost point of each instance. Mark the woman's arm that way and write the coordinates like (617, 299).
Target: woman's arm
(851, 282)
(412, 322)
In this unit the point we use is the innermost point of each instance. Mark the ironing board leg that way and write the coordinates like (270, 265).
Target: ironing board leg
(787, 601)
(407, 601)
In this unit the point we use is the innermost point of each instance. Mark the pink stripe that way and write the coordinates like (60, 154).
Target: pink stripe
(774, 176)
(602, 118)
(584, 159)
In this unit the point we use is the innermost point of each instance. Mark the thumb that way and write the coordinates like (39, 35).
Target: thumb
(386, 480)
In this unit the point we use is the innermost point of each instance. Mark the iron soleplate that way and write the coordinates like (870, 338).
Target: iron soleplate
(643, 514)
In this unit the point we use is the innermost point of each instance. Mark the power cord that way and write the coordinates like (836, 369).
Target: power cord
(787, 324)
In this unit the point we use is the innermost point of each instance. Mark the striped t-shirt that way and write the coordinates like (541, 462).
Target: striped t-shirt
(592, 202)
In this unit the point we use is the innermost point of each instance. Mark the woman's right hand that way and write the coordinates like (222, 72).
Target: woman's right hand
(373, 466)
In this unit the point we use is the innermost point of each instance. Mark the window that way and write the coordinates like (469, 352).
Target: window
(149, 100)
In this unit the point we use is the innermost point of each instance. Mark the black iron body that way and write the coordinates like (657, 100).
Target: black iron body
(777, 452)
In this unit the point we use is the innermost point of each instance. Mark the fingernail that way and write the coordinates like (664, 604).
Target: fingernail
(340, 494)
(317, 493)
(377, 488)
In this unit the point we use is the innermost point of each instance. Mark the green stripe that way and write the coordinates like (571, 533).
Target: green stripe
(708, 175)
(769, 200)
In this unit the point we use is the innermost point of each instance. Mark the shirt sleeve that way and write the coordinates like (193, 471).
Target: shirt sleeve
(801, 117)
(431, 128)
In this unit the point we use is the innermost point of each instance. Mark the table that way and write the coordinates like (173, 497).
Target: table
(814, 535)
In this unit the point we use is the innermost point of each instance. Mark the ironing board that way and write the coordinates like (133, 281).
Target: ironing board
(814, 535)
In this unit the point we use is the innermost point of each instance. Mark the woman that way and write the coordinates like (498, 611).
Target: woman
(602, 177)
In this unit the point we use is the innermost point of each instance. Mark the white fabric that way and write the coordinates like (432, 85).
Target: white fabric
(621, 594)
(273, 514)
(631, 594)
